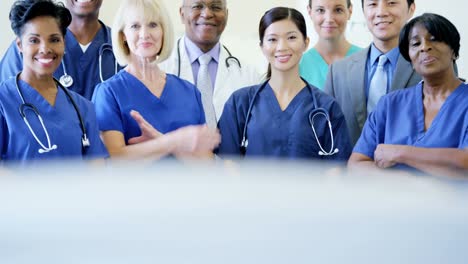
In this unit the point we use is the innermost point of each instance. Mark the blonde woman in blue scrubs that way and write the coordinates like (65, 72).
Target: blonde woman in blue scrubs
(330, 18)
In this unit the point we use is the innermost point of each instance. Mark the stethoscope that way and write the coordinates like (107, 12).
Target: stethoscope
(67, 80)
(28, 106)
(228, 64)
(317, 111)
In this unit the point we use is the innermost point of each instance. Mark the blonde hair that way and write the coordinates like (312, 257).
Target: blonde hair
(150, 10)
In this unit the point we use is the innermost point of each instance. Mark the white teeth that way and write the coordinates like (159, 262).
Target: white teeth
(83, 1)
(45, 61)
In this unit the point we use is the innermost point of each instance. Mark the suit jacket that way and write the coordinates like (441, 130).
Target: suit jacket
(346, 83)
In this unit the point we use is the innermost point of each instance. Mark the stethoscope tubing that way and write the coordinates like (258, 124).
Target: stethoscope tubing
(317, 111)
(25, 105)
(228, 65)
(102, 49)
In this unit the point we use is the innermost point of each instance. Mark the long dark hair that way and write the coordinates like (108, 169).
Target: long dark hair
(277, 14)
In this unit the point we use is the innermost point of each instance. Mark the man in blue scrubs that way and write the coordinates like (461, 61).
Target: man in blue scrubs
(85, 40)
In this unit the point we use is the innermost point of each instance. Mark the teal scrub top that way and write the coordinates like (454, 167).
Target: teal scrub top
(314, 69)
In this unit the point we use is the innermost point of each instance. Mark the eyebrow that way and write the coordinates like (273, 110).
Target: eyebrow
(338, 5)
(287, 33)
(38, 35)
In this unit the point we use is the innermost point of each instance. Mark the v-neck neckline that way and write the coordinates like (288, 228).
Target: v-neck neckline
(422, 116)
(291, 107)
(145, 89)
(38, 99)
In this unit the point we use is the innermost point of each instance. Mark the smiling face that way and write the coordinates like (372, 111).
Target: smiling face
(84, 8)
(330, 17)
(385, 19)
(204, 21)
(144, 36)
(429, 56)
(283, 45)
(42, 45)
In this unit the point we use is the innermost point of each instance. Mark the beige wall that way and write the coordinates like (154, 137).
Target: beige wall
(241, 34)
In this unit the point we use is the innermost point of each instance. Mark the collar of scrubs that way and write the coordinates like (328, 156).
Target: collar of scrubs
(193, 51)
(102, 36)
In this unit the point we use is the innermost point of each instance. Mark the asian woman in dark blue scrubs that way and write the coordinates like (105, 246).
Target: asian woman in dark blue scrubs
(284, 117)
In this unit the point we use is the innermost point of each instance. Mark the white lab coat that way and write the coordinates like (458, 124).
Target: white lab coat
(227, 79)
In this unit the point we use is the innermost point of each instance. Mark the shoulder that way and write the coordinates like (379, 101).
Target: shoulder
(239, 102)
(402, 94)
(114, 82)
(107, 31)
(358, 55)
(8, 83)
(310, 57)
(114, 85)
(324, 100)
(353, 49)
(247, 92)
(13, 48)
(7, 86)
(464, 88)
(310, 54)
(174, 79)
(243, 96)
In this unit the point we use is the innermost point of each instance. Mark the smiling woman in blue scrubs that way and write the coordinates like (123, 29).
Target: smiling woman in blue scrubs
(87, 42)
(142, 38)
(47, 125)
(426, 126)
(284, 117)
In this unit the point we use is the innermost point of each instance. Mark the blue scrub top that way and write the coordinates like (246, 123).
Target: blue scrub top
(82, 67)
(399, 119)
(273, 132)
(61, 121)
(179, 105)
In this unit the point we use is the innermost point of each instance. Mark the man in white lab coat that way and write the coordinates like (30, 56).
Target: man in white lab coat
(204, 23)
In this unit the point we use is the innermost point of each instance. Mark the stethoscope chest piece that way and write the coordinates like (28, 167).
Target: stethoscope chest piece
(66, 80)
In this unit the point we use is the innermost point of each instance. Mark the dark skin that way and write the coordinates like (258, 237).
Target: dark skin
(85, 20)
(204, 27)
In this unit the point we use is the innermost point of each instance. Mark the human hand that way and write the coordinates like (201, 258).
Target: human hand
(195, 140)
(147, 130)
(385, 155)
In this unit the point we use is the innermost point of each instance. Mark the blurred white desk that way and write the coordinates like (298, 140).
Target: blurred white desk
(257, 213)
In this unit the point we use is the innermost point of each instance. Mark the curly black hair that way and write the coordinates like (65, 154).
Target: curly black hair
(22, 11)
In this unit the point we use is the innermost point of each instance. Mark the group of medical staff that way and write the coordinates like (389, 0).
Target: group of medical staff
(155, 96)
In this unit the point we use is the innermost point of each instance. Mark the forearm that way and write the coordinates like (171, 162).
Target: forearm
(149, 150)
(359, 161)
(434, 160)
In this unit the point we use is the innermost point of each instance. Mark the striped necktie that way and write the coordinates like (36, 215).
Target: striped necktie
(205, 86)
(378, 84)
